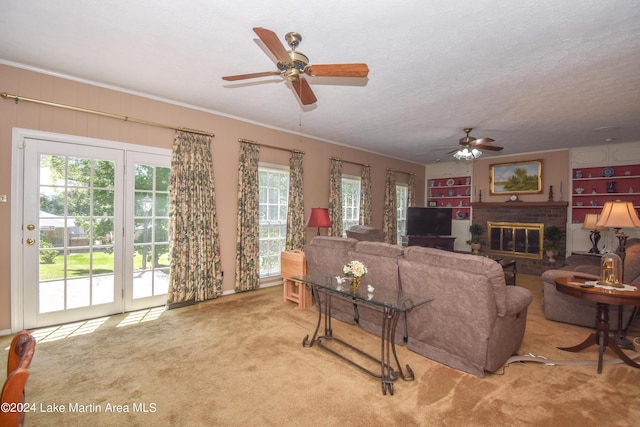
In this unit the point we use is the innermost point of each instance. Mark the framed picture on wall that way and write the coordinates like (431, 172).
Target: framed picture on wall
(516, 178)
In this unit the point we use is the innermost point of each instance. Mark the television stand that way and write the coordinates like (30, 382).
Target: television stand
(438, 242)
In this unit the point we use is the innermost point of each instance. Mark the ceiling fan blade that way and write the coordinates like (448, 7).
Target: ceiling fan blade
(488, 147)
(251, 76)
(271, 40)
(304, 92)
(482, 141)
(337, 70)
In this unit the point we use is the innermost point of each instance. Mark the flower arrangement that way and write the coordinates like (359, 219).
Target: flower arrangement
(355, 269)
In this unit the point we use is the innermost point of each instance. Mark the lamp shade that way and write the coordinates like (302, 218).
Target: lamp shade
(618, 214)
(319, 218)
(591, 223)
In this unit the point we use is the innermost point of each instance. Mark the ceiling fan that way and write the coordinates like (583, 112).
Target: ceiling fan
(294, 65)
(469, 147)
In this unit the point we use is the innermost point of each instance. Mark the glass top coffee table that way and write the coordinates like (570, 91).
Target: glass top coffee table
(391, 304)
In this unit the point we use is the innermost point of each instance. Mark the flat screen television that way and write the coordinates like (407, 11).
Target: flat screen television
(429, 221)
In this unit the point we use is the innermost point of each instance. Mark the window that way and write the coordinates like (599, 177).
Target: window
(402, 191)
(350, 203)
(274, 196)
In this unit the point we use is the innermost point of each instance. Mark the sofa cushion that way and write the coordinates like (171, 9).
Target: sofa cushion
(379, 248)
(632, 261)
(465, 263)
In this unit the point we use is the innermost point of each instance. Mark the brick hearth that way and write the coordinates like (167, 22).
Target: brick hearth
(548, 213)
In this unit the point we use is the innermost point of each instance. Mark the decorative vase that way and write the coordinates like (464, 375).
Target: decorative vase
(552, 255)
(355, 284)
(475, 247)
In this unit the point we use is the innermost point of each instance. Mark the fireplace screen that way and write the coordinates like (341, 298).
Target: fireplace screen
(516, 238)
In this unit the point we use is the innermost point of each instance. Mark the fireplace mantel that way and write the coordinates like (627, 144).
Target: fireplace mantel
(514, 205)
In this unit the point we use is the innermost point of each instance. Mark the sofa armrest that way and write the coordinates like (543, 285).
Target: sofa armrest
(593, 270)
(550, 276)
(518, 300)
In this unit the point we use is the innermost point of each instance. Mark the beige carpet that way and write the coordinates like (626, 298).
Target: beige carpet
(238, 360)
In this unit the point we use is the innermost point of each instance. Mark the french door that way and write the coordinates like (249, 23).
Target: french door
(94, 230)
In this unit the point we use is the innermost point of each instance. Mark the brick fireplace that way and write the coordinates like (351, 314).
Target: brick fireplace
(547, 213)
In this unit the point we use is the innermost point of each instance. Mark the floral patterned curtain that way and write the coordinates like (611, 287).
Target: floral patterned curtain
(365, 196)
(248, 228)
(389, 220)
(196, 273)
(411, 190)
(295, 212)
(335, 198)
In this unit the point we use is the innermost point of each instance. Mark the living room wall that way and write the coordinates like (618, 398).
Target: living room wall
(555, 172)
(225, 151)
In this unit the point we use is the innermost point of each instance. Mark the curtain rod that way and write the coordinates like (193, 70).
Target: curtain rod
(353, 163)
(5, 95)
(248, 141)
(406, 173)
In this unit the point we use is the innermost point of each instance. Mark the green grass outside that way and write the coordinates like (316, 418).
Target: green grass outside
(78, 265)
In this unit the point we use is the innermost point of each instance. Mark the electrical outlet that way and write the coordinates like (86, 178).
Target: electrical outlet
(3, 198)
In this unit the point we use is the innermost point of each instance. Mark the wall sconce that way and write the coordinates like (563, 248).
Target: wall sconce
(319, 217)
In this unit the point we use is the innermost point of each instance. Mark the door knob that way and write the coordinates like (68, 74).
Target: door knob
(31, 227)
(31, 241)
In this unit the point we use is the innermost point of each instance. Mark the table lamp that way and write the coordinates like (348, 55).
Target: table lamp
(619, 215)
(319, 217)
(590, 223)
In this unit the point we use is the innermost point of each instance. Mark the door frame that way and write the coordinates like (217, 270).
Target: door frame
(17, 184)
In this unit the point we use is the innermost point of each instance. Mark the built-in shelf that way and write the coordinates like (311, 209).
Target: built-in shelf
(454, 193)
(592, 187)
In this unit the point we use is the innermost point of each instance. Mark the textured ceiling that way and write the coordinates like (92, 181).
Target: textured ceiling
(531, 74)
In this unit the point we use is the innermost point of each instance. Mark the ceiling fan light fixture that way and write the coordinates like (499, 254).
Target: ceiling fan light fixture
(466, 154)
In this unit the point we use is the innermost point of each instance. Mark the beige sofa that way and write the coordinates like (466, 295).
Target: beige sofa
(474, 323)
(568, 309)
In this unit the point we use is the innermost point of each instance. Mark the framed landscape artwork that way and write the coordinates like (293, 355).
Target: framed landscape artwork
(516, 178)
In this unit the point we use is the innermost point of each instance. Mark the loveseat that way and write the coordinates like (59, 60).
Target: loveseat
(568, 309)
(364, 233)
(474, 322)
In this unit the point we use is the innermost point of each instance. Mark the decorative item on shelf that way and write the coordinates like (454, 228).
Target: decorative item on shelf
(578, 174)
(590, 223)
(611, 271)
(551, 193)
(552, 238)
(594, 191)
(356, 270)
(608, 172)
(475, 242)
(319, 217)
(619, 215)
(514, 198)
(452, 192)
(579, 204)
(579, 190)
(611, 187)
(450, 182)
